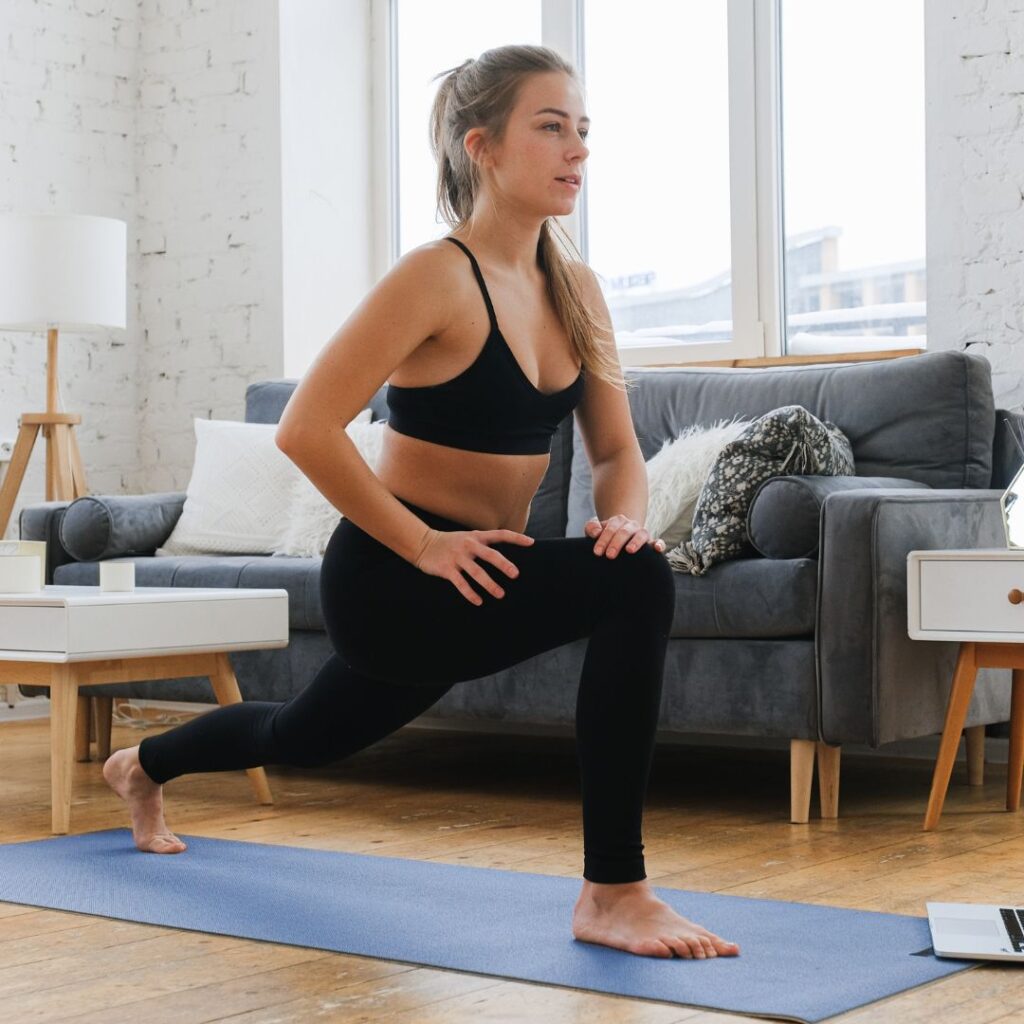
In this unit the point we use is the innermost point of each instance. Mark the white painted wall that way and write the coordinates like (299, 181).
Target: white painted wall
(234, 138)
(325, 171)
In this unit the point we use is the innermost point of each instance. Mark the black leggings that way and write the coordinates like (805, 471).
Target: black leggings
(402, 638)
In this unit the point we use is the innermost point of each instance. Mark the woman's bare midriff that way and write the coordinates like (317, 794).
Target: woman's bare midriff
(482, 489)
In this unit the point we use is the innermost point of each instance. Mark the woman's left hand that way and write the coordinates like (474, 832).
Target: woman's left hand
(619, 533)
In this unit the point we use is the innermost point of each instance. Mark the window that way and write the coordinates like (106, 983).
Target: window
(432, 37)
(657, 194)
(756, 179)
(854, 174)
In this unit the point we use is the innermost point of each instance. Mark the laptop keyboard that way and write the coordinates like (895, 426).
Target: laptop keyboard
(1012, 921)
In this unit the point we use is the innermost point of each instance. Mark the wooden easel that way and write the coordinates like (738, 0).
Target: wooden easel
(65, 477)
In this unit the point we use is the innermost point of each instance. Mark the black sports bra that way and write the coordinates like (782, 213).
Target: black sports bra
(491, 406)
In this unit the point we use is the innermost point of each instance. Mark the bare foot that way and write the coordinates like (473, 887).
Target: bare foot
(145, 799)
(629, 916)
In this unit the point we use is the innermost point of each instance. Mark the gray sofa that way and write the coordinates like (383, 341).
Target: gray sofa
(808, 645)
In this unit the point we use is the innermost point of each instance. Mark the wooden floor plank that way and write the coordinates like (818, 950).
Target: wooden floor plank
(517, 809)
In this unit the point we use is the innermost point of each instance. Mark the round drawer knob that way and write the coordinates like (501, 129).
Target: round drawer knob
(1015, 596)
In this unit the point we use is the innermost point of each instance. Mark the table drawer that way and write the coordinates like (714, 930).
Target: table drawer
(959, 595)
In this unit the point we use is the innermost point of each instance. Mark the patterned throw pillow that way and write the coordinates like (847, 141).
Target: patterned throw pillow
(787, 440)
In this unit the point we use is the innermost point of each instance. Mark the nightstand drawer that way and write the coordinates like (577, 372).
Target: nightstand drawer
(959, 595)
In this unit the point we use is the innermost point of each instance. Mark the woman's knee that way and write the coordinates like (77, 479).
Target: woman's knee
(645, 578)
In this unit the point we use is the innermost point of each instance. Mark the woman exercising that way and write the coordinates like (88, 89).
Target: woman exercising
(430, 548)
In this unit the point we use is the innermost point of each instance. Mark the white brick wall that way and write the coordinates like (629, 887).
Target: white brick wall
(208, 166)
(163, 113)
(975, 181)
(166, 113)
(68, 82)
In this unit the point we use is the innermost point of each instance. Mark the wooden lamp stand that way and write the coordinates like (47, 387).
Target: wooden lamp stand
(65, 477)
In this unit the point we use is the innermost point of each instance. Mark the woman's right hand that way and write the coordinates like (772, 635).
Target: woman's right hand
(449, 553)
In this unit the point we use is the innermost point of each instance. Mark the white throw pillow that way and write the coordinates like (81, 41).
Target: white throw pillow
(312, 518)
(240, 491)
(676, 474)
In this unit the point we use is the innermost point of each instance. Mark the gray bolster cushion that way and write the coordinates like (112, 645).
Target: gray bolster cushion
(783, 518)
(95, 528)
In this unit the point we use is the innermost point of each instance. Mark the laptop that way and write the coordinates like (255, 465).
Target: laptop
(977, 931)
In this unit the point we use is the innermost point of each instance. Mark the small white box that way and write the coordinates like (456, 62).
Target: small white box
(19, 574)
(117, 576)
(27, 547)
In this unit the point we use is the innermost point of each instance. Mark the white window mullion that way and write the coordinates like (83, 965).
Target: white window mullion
(747, 329)
(754, 178)
(562, 30)
(384, 136)
(770, 225)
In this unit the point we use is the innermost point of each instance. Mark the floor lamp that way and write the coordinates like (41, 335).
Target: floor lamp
(57, 272)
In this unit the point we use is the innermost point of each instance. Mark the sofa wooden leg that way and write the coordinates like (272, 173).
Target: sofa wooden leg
(801, 775)
(828, 779)
(975, 755)
(103, 714)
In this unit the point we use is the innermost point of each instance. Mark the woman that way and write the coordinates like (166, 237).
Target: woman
(430, 550)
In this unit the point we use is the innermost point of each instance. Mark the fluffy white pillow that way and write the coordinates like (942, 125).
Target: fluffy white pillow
(676, 474)
(312, 518)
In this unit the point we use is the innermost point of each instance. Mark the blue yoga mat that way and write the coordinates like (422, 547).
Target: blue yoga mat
(797, 961)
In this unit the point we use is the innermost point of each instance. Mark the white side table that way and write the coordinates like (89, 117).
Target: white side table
(69, 637)
(975, 596)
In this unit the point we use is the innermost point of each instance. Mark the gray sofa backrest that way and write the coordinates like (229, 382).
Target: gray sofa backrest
(929, 418)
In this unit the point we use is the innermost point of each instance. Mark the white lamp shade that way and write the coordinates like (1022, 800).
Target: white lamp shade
(62, 270)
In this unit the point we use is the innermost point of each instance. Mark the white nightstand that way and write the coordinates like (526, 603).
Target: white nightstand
(975, 596)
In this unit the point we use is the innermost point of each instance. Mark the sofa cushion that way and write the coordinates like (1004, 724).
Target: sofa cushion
(265, 401)
(752, 597)
(95, 527)
(928, 417)
(299, 576)
(783, 518)
(748, 597)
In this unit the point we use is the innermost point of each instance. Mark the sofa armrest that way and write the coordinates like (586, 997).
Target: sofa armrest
(42, 522)
(876, 685)
(1006, 456)
(96, 527)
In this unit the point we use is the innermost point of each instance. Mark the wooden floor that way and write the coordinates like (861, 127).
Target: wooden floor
(717, 821)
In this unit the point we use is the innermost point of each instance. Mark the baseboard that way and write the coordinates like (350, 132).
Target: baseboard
(922, 748)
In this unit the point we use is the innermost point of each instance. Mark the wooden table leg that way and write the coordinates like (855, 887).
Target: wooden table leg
(63, 715)
(956, 713)
(1015, 765)
(83, 720)
(103, 711)
(225, 687)
(975, 737)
